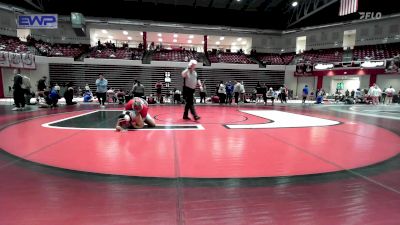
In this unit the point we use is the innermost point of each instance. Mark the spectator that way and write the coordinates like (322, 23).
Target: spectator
(121, 96)
(158, 87)
(42, 84)
(352, 94)
(283, 95)
(270, 95)
(101, 85)
(52, 98)
(26, 86)
(138, 90)
(242, 92)
(375, 92)
(305, 93)
(358, 95)
(18, 94)
(221, 92)
(133, 86)
(347, 93)
(57, 88)
(87, 88)
(236, 91)
(69, 95)
(177, 96)
(203, 92)
(389, 95)
(229, 92)
(111, 96)
(88, 96)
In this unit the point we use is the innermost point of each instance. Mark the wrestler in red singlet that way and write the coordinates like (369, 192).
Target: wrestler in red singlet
(135, 115)
(138, 105)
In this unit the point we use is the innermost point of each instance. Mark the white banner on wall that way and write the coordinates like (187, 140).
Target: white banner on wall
(15, 60)
(28, 61)
(4, 61)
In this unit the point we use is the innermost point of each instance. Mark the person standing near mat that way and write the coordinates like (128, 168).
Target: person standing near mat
(18, 94)
(101, 91)
(305, 93)
(190, 82)
(135, 115)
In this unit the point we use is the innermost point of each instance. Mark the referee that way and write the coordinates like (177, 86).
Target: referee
(189, 85)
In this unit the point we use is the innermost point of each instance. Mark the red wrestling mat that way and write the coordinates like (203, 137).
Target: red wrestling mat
(231, 144)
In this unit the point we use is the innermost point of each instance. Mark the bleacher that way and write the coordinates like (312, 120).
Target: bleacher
(224, 57)
(120, 53)
(174, 55)
(65, 51)
(12, 44)
(275, 59)
(381, 51)
(323, 55)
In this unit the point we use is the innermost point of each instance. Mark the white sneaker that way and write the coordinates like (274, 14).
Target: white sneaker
(102, 106)
(15, 109)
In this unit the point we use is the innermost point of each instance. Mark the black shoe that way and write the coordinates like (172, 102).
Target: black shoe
(186, 118)
(196, 117)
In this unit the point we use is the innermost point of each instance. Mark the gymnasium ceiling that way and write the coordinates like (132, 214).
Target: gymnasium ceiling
(262, 14)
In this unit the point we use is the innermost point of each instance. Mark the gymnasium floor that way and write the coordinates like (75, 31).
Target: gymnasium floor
(282, 164)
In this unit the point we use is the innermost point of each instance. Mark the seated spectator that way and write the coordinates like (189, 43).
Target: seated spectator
(121, 96)
(69, 95)
(52, 98)
(111, 97)
(177, 96)
(88, 96)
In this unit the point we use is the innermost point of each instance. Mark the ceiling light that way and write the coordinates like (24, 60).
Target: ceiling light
(159, 34)
(239, 39)
(294, 4)
(217, 43)
(202, 42)
(175, 35)
(160, 39)
(221, 38)
(110, 37)
(141, 33)
(175, 40)
(189, 41)
(125, 32)
(191, 36)
(129, 38)
(104, 31)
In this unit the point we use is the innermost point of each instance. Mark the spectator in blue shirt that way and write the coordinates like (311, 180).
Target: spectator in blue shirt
(101, 91)
(229, 92)
(305, 93)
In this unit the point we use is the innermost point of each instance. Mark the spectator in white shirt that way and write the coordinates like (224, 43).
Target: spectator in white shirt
(389, 95)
